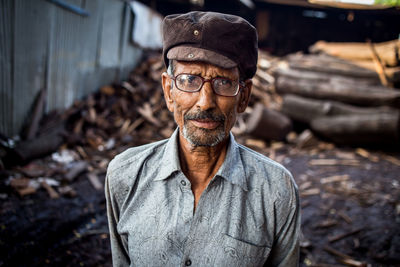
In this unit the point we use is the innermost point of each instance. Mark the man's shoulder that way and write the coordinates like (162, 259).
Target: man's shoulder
(263, 172)
(134, 156)
(261, 162)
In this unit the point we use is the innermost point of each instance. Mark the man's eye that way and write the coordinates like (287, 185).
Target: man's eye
(190, 78)
(224, 82)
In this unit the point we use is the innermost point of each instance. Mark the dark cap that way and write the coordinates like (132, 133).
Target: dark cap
(220, 39)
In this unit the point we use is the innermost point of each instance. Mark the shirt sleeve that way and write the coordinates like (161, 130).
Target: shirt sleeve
(119, 247)
(285, 251)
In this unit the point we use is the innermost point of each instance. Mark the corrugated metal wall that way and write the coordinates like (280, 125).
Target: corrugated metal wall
(45, 46)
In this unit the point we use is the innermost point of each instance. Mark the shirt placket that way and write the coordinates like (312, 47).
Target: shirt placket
(186, 212)
(195, 225)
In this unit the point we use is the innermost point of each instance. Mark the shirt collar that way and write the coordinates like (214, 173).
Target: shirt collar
(170, 159)
(231, 170)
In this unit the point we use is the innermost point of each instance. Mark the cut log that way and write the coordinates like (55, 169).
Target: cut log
(339, 91)
(366, 129)
(307, 109)
(268, 124)
(328, 64)
(306, 139)
(320, 77)
(44, 144)
(359, 51)
(392, 73)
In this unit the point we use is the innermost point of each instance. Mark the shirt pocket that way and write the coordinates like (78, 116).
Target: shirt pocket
(240, 253)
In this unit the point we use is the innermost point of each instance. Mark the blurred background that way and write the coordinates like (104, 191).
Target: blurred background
(80, 83)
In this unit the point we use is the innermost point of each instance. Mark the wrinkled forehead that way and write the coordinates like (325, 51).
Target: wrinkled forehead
(205, 69)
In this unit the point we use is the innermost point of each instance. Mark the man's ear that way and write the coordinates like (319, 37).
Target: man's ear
(244, 96)
(167, 86)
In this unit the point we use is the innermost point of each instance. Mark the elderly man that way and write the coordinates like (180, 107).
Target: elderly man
(199, 198)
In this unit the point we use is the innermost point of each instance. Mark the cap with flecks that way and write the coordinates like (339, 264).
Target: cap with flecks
(223, 40)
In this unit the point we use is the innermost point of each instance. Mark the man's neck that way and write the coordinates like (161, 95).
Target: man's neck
(201, 163)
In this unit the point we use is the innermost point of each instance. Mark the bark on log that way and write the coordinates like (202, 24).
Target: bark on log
(319, 77)
(359, 51)
(366, 129)
(336, 90)
(268, 124)
(328, 64)
(392, 73)
(306, 109)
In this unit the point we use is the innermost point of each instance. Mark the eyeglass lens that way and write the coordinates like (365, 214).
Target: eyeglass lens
(193, 83)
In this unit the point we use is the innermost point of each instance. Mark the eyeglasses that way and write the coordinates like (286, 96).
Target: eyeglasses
(193, 83)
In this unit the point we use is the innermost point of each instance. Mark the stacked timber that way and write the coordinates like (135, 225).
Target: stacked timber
(333, 92)
(383, 57)
(264, 119)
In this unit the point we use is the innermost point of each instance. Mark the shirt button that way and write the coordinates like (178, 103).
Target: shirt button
(183, 182)
(196, 32)
(188, 262)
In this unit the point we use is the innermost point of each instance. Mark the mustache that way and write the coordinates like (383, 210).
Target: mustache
(201, 115)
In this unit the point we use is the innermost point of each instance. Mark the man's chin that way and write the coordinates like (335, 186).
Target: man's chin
(203, 137)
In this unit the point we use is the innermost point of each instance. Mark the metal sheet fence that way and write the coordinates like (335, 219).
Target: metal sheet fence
(52, 44)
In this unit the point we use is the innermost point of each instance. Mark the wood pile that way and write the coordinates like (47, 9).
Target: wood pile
(381, 57)
(337, 98)
(83, 139)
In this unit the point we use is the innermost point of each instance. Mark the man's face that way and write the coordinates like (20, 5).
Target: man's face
(204, 118)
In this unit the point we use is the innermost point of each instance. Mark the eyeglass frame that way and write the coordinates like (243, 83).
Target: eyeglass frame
(241, 84)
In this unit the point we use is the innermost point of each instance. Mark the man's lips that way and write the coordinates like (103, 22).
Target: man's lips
(205, 123)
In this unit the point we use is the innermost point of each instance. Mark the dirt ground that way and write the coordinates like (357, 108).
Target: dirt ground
(350, 212)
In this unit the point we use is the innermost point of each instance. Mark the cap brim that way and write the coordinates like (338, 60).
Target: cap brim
(189, 53)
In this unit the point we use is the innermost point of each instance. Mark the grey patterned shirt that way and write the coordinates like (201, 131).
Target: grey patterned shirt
(247, 216)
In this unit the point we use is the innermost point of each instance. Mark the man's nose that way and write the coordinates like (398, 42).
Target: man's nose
(207, 97)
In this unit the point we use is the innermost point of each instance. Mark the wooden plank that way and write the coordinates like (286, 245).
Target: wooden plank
(334, 162)
(335, 178)
(344, 235)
